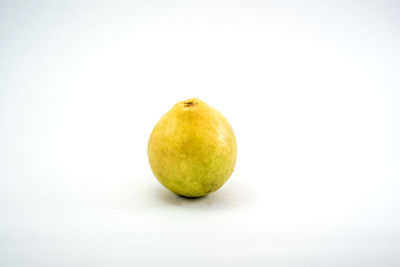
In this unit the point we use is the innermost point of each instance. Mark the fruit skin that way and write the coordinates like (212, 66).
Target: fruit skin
(192, 149)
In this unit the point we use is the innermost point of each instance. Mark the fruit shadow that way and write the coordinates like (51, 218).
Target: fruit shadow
(222, 199)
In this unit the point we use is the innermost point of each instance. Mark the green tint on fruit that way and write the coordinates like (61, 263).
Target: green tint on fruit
(192, 149)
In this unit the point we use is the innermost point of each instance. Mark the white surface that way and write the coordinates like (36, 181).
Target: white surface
(311, 89)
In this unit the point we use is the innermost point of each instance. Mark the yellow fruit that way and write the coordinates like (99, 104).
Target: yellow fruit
(192, 149)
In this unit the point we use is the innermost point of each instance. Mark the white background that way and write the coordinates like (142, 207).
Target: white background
(312, 89)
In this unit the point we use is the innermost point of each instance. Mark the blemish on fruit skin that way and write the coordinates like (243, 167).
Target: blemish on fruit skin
(189, 103)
